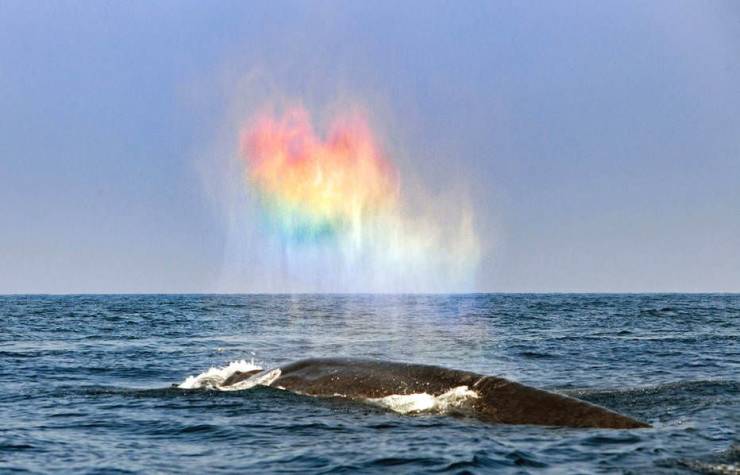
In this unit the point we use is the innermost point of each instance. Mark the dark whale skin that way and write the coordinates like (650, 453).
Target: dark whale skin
(499, 400)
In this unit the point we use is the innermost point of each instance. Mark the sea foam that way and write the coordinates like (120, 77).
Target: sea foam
(457, 399)
(215, 376)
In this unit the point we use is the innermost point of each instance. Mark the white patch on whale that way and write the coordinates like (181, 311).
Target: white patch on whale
(456, 400)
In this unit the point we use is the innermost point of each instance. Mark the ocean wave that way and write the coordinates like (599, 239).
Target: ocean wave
(704, 386)
(726, 462)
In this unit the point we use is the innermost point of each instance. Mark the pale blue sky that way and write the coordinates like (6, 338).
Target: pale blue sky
(599, 141)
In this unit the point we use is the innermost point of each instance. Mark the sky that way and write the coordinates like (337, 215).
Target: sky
(595, 146)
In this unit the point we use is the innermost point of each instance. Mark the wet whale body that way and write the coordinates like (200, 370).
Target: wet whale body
(496, 400)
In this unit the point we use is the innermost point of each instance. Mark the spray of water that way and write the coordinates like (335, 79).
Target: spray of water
(323, 206)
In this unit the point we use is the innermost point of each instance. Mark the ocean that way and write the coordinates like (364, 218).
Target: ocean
(86, 382)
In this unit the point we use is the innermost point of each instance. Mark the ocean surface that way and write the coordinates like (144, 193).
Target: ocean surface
(86, 382)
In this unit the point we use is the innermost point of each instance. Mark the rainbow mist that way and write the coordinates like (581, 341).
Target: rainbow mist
(334, 205)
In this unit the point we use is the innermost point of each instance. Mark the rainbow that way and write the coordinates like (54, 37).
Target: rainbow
(333, 203)
(314, 189)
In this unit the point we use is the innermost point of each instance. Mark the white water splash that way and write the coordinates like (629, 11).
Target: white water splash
(214, 377)
(454, 400)
(259, 379)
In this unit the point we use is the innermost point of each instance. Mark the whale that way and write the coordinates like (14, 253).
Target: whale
(494, 399)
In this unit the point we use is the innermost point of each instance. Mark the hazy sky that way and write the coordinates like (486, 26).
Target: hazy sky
(598, 142)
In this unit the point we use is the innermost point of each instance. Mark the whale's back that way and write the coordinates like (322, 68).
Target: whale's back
(365, 378)
(508, 402)
(499, 400)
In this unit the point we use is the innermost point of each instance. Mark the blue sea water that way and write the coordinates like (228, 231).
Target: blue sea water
(85, 382)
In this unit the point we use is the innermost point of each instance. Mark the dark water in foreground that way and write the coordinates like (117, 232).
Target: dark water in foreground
(84, 382)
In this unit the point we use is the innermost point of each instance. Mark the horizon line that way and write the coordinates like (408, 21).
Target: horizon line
(568, 292)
